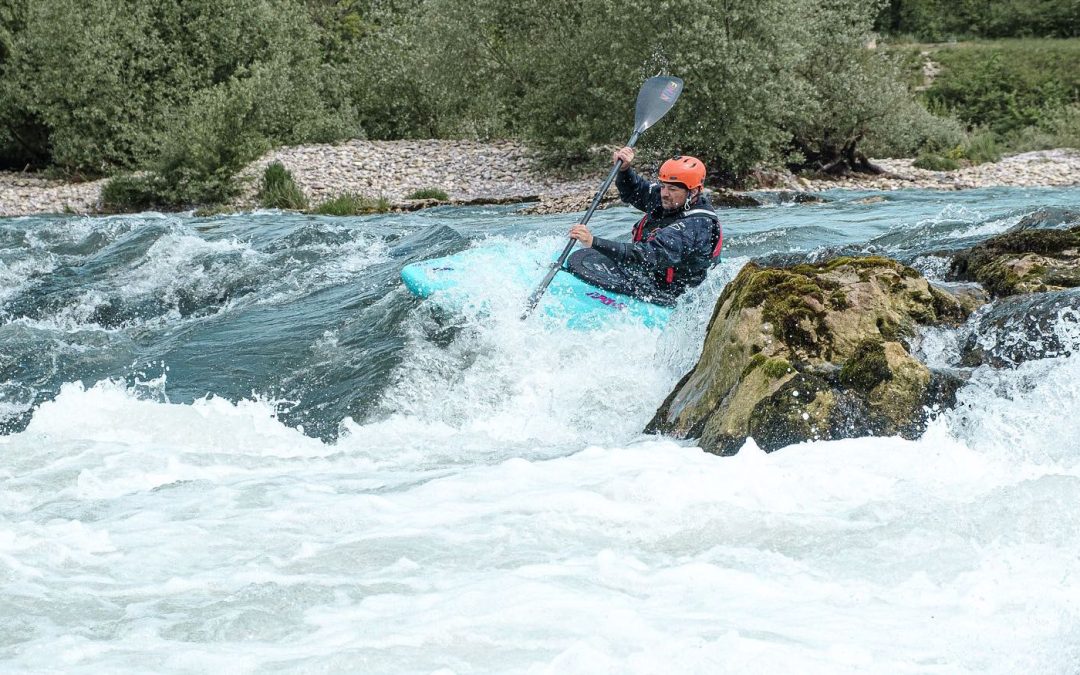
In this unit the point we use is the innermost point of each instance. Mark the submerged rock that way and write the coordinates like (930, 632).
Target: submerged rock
(812, 351)
(1049, 217)
(732, 200)
(1022, 261)
(1023, 328)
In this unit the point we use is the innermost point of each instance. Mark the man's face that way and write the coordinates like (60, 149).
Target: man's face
(673, 196)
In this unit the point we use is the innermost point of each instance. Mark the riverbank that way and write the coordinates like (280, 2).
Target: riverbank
(469, 171)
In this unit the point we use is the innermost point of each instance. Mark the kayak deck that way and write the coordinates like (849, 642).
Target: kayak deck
(497, 273)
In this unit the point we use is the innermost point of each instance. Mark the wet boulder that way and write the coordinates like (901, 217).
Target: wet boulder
(728, 199)
(812, 351)
(1022, 261)
(1050, 217)
(1023, 328)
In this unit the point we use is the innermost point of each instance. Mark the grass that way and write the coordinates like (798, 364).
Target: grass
(279, 190)
(351, 204)
(429, 193)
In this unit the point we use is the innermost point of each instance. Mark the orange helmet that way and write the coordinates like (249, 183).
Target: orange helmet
(683, 169)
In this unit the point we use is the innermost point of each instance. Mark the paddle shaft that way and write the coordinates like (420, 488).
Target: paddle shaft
(530, 305)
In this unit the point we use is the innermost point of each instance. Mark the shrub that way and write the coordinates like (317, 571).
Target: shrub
(936, 163)
(778, 80)
(1009, 85)
(1058, 128)
(351, 204)
(981, 147)
(127, 194)
(279, 190)
(939, 20)
(429, 193)
(91, 85)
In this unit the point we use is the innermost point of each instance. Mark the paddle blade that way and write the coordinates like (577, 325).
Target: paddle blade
(656, 97)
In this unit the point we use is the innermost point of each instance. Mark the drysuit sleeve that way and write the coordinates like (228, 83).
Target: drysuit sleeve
(636, 191)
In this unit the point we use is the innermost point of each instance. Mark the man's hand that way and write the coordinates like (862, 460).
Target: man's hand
(626, 155)
(582, 234)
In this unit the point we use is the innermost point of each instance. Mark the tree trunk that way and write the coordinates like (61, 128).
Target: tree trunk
(831, 159)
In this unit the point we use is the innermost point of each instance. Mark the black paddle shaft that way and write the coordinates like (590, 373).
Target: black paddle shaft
(534, 298)
(656, 97)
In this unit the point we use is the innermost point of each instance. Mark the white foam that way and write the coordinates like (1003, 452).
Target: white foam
(216, 536)
(501, 512)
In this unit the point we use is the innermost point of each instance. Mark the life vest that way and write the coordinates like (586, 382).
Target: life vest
(655, 224)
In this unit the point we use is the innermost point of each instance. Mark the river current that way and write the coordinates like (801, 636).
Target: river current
(237, 444)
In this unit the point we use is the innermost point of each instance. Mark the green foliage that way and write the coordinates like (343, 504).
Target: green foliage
(193, 90)
(94, 86)
(429, 193)
(940, 20)
(1007, 86)
(351, 204)
(936, 163)
(856, 97)
(127, 193)
(279, 190)
(1058, 128)
(981, 147)
(761, 85)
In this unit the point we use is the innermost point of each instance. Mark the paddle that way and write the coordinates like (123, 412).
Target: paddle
(657, 96)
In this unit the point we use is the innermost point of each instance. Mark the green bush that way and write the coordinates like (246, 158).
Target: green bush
(279, 190)
(91, 86)
(936, 163)
(429, 193)
(981, 147)
(127, 193)
(940, 20)
(1009, 85)
(352, 205)
(1057, 129)
(193, 90)
(769, 81)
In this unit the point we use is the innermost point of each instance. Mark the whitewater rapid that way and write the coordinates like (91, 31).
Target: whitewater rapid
(141, 536)
(490, 505)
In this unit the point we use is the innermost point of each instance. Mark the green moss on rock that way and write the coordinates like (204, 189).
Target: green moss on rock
(776, 368)
(833, 332)
(1022, 261)
(867, 367)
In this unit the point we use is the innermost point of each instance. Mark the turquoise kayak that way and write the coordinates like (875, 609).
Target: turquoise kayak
(497, 273)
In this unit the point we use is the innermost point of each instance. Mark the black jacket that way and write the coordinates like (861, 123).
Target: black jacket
(676, 248)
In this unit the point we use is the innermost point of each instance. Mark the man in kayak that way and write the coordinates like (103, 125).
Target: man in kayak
(674, 244)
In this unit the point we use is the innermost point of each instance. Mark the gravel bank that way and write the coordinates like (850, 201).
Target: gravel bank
(23, 194)
(505, 170)
(1045, 168)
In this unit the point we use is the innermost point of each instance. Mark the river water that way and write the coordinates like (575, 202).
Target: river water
(237, 444)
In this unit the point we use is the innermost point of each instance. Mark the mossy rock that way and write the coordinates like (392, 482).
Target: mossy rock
(867, 367)
(840, 326)
(797, 411)
(1022, 261)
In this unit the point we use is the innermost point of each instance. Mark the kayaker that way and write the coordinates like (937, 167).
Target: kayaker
(674, 244)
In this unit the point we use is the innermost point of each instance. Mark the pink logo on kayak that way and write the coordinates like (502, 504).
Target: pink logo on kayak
(610, 302)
